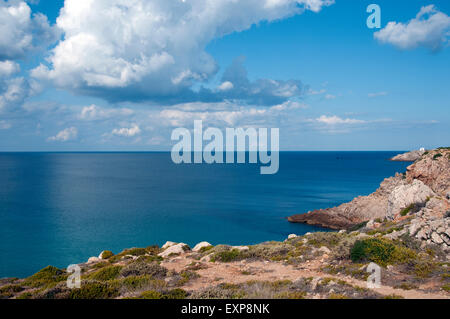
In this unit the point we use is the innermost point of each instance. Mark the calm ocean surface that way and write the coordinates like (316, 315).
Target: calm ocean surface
(62, 208)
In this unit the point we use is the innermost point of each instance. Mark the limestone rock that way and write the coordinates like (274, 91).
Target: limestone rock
(93, 260)
(174, 250)
(201, 245)
(405, 195)
(409, 156)
(168, 244)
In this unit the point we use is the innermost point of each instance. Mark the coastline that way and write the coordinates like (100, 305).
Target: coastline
(412, 247)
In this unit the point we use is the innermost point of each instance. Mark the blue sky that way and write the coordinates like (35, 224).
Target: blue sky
(105, 76)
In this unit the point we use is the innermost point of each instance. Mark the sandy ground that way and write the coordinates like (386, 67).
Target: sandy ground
(217, 273)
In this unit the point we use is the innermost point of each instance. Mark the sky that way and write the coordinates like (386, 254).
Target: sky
(116, 75)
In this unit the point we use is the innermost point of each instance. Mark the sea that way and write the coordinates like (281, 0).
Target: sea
(62, 208)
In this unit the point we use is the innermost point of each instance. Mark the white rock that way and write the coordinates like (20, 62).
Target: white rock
(291, 236)
(405, 195)
(93, 260)
(175, 249)
(168, 244)
(436, 238)
(201, 245)
(343, 231)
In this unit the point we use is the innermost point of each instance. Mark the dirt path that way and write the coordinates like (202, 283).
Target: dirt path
(241, 272)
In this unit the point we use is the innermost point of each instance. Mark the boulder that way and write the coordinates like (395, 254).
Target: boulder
(292, 236)
(405, 195)
(168, 244)
(174, 250)
(93, 260)
(201, 245)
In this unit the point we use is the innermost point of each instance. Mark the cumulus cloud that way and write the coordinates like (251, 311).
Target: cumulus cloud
(22, 31)
(8, 68)
(65, 135)
(13, 92)
(430, 29)
(155, 50)
(127, 132)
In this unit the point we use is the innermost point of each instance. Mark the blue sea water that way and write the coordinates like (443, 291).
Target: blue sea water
(61, 208)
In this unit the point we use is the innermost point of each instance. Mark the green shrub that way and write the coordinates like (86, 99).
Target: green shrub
(380, 251)
(107, 254)
(48, 276)
(186, 276)
(407, 210)
(329, 240)
(227, 256)
(94, 290)
(105, 274)
(435, 157)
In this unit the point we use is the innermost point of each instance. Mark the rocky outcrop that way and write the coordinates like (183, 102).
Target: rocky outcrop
(408, 157)
(361, 209)
(405, 195)
(433, 169)
(429, 176)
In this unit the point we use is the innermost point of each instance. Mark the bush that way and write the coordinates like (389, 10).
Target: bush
(435, 157)
(329, 240)
(380, 251)
(107, 254)
(227, 256)
(48, 276)
(107, 273)
(406, 211)
(142, 268)
(94, 290)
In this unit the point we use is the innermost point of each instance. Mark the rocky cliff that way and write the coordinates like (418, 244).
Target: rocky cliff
(422, 194)
(409, 156)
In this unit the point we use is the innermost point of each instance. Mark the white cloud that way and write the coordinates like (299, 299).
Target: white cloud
(8, 68)
(429, 29)
(377, 94)
(21, 31)
(94, 112)
(13, 92)
(65, 135)
(127, 132)
(336, 120)
(225, 86)
(128, 49)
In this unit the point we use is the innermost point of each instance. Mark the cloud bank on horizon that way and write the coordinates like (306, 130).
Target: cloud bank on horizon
(142, 67)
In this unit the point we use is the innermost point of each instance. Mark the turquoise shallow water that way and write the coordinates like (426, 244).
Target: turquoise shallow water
(61, 208)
